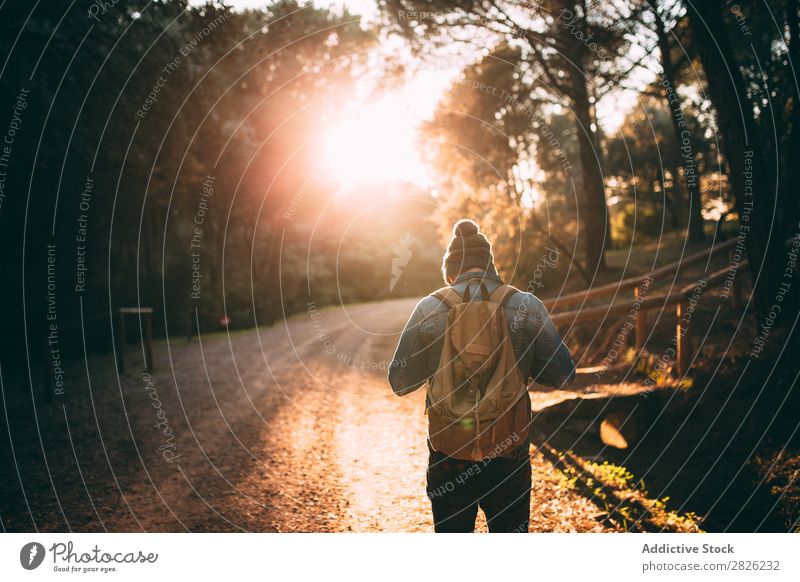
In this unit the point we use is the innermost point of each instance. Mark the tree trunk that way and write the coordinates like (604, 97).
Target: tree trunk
(668, 203)
(741, 142)
(686, 155)
(789, 204)
(593, 211)
(692, 180)
(568, 251)
(674, 200)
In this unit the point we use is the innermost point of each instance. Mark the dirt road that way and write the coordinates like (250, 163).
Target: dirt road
(287, 428)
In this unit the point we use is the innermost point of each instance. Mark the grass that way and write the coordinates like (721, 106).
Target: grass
(781, 472)
(625, 502)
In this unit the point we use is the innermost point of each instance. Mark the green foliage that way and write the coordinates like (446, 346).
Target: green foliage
(625, 502)
(636, 223)
(644, 177)
(151, 100)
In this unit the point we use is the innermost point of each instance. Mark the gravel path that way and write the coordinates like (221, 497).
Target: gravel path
(286, 428)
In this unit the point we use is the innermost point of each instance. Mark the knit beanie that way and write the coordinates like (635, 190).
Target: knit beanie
(468, 249)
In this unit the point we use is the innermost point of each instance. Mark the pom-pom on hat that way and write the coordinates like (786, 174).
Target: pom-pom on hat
(468, 249)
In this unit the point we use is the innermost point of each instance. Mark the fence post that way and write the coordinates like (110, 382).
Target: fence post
(641, 323)
(683, 340)
(47, 372)
(736, 291)
(148, 330)
(121, 342)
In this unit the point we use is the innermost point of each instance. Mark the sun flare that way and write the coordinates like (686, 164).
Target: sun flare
(377, 145)
(378, 141)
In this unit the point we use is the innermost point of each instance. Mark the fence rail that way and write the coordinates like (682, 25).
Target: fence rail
(637, 280)
(641, 307)
(641, 304)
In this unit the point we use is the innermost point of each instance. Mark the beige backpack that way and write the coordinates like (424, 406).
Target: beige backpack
(475, 400)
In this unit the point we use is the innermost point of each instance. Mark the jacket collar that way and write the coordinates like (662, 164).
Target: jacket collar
(490, 274)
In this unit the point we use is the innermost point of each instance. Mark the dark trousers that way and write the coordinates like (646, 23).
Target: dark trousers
(501, 487)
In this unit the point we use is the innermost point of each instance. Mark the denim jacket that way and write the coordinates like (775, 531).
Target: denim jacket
(541, 355)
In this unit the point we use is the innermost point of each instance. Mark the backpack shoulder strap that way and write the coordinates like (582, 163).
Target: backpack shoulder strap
(448, 296)
(502, 294)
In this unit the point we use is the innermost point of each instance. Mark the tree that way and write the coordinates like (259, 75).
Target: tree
(669, 88)
(751, 178)
(639, 152)
(233, 103)
(484, 131)
(572, 49)
(769, 61)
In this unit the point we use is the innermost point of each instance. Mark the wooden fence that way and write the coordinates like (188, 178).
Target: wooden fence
(641, 303)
